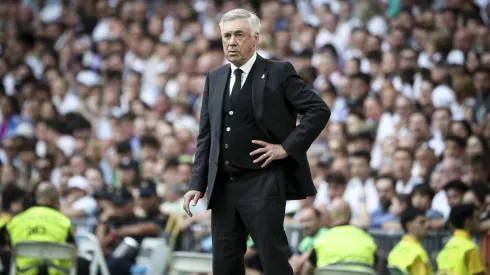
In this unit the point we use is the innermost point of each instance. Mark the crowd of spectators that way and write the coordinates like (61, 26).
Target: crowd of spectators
(102, 99)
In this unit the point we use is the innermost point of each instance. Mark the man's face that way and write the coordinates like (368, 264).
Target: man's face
(238, 41)
(359, 167)
(441, 120)
(418, 227)
(476, 173)
(482, 82)
(309, 222)
(418, 126)
(402, 164)
(44, 168)
(148, 203)
(128, 176)
(147, 152)
(452, 150)
(385, 189)
(78, 165)
(408, 59)
(454, 197)
(421, 201)
(335, 190)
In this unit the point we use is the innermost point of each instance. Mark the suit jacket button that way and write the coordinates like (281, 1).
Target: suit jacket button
(226, 145)
(227, 162)
(232, 178)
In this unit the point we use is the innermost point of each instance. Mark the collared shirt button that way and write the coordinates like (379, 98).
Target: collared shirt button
(231, 113)
(228, 129)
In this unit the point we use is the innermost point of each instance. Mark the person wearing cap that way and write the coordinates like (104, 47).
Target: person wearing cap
(148, 223)
(103, 198)
(119, 213)
(149, 202)
(78, 202)
(455, 59)
(130, 173)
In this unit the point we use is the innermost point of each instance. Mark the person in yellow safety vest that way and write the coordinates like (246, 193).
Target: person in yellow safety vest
(42, 223)
(460, 255)
(409, 255)
(342, 243)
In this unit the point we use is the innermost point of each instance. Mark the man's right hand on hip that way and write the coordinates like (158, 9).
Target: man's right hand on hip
(194, 196)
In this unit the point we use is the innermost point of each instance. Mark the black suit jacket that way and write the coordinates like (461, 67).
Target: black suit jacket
(278, 95)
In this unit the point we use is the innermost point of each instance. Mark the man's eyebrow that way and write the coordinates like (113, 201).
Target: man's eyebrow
(235, 31)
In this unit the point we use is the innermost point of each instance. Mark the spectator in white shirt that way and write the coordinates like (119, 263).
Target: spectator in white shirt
(402, 170)
(361, 191)
(64, 100)
(418, 125)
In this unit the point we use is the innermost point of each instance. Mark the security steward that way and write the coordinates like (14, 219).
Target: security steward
(460, 255)
(341, 243)
(409, 255)
(44, 223)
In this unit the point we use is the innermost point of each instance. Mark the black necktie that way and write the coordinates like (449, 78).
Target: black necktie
(237, 86)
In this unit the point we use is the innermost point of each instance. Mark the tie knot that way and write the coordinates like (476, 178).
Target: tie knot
(238, 72)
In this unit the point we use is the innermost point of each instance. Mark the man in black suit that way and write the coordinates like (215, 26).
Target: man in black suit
(251, 155)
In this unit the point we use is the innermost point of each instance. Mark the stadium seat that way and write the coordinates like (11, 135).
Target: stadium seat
(346, 269)
(154, 254)
(395, 271)
(89, 248)
(191, 262)
(45, 251)
(83, 225)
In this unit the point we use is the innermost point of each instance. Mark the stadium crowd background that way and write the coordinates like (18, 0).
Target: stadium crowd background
(98, 96)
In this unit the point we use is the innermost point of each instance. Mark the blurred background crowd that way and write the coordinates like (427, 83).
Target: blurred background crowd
(102, 99)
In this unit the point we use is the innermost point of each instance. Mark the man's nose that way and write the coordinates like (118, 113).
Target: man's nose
(232, 40)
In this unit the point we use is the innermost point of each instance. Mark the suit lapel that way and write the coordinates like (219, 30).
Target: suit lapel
(217, 96)
(259, 79)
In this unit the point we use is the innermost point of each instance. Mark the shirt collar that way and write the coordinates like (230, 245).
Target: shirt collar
(409, 239)
(462, 234)
(247, 66)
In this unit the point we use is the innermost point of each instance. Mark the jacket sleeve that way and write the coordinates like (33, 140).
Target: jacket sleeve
(306, 102)
(199, 179)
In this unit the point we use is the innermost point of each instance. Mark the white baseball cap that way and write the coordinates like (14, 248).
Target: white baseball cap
(455, 57)
(78, 182)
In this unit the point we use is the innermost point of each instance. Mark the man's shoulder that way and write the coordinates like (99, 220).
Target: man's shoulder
(220, 70)
(273, 64)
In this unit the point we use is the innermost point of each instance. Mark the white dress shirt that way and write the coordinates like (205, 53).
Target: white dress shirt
(440, 203)
(245, 71)
(353, 191)
(407, 188)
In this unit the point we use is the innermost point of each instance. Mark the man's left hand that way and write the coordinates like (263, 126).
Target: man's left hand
(269, 152)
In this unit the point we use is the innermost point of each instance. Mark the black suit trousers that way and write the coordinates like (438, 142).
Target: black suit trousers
(250, 203)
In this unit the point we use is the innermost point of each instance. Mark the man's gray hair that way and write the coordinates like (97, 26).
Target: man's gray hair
(253, 20)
